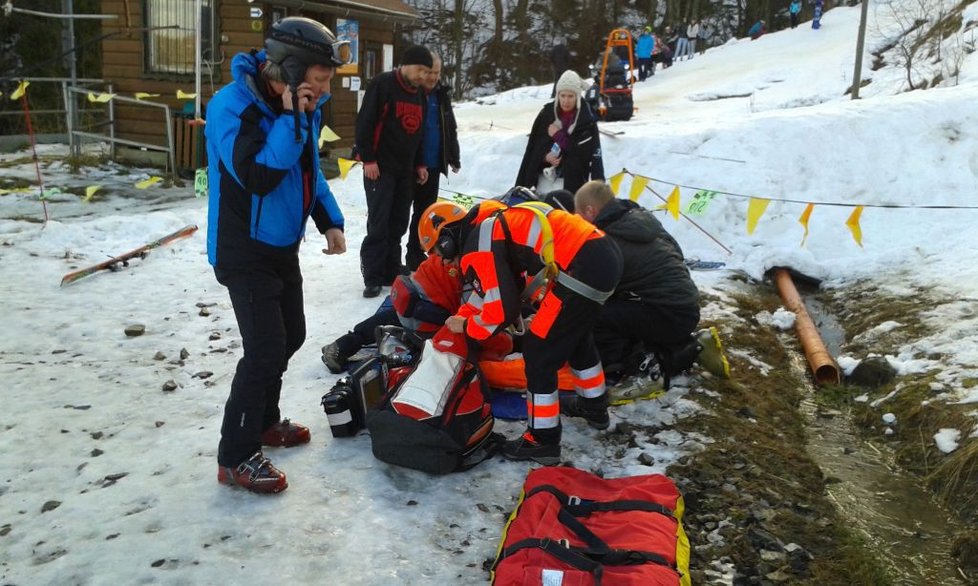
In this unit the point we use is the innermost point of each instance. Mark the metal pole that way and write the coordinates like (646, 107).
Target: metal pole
(172, 159)
(69, 121)
(198, 7)
(111, 125)
(860, 43)
(69, 9)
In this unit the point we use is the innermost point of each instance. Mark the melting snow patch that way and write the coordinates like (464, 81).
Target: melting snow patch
(947, 439)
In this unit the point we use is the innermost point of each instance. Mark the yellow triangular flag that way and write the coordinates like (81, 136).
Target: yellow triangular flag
(182, 96)
(327, 135)
(142, 95)
(754, 212)
(90, 191)
(853, 223)
(148, 182)
(615, 182)
(672, 203)
(803, 220)
(99, 98)
(345, 166)
(638, 186)
(20, 91)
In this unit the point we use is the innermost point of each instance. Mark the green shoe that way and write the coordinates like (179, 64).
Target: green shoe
(711, 357)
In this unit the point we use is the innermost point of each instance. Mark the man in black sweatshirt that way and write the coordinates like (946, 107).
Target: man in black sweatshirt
(390, 129)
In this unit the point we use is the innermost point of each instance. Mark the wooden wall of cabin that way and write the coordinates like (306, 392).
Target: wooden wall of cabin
(123, 57)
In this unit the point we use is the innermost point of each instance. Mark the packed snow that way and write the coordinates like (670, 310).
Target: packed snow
(108, 479)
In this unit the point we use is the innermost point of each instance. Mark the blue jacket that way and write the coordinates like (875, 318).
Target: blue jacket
(795, 7)
(643, 50)
(257, 204)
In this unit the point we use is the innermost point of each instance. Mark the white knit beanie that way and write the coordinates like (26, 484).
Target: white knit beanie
(569, 82)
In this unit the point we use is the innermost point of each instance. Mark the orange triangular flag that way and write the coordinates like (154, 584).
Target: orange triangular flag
(615, 182)
(803, 220)
(672, 203)
(638, 186)
(853, 224)
(755, 210)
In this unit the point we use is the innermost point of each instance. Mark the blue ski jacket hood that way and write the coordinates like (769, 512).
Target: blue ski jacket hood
(263, 184)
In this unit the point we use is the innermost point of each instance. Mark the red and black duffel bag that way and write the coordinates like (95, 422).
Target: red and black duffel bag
(572, 528)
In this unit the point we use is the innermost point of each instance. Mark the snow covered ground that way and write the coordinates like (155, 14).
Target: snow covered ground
(107, 479)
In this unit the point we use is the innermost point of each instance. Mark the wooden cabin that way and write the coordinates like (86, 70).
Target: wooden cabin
(151, 50)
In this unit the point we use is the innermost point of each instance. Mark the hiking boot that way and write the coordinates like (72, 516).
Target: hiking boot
(711, 356)
(333, 359)
(371, 291)
(255, 474)
(285, 434)
(634, 388)
(527, 447)
(594, 411)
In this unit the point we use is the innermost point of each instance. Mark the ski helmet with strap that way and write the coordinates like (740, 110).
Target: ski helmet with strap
(306, 41)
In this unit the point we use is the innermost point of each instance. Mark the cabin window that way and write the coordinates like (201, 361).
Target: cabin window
(171, 35)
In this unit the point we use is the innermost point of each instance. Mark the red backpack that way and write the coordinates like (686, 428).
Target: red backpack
(576, 529)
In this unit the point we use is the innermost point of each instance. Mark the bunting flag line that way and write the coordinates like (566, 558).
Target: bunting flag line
(345, 165)
(148, 182)
(672, 203)
(853, 224)
(327, 135)
(803, 220)
(144, 95)
(615, 182)
(638, 186)
(90, 192)
(755, 210)
(20, 91)
(184, 96)
(99, 98)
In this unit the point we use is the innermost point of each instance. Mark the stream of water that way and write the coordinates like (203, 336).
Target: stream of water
(899, 520)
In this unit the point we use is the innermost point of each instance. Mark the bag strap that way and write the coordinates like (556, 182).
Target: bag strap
(579, 507)
(597, 552)
(572, 556)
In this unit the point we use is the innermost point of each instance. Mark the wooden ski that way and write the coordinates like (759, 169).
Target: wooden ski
(117, 262)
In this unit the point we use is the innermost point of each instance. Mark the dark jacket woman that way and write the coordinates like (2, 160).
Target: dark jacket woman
(580, 161)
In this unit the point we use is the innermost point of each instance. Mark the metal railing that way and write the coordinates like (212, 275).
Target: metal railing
(75, 134)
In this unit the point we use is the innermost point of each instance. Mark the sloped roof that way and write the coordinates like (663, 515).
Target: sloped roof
(392, 9)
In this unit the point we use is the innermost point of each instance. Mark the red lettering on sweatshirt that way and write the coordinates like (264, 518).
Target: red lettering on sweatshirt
(410, 116)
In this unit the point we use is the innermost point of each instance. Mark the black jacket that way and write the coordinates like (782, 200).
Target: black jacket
(654, 269)
(390, 125)
(580, 162)
(449, 130)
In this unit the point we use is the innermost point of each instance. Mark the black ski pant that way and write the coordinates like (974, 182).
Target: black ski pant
(365, 332)
(388, 213)
(424, 196)
(623, 324)
(268, 305)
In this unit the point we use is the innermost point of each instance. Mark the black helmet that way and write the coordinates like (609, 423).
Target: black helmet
(307, 41)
